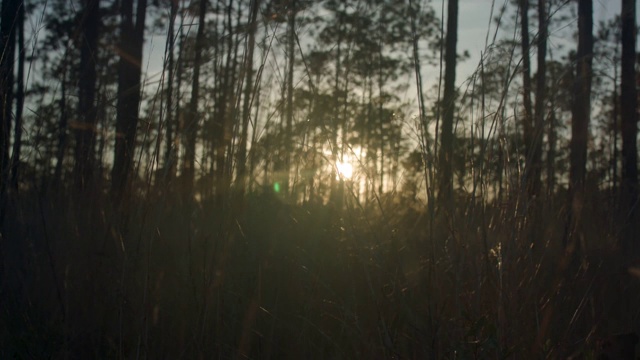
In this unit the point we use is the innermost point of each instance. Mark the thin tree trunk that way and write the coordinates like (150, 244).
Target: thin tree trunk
(235, 89)
(335, 195)
(446, 136)
(551, 153)
(169, 154)
(179, 112)
(247, 97)
(254, 131)
(615, 129)
(581, 115)
(17, 137)
(369, 161)
(380, 117)
(629, 111)
(222, 118)
(192, 125)
(424, 140)
(290, 62)
(526, 95)
(62, 131)
(8, 16)
(129, 77)
(85, 129)
(538, 125)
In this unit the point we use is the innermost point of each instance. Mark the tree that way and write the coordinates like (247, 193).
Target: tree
(171, 125)
(291, 57)
(446, 137)
(17, 134)
(87, 112)
(559, 86)
(129, 74)
(526, 96)
(538, 123)
(192, 123)
(629, 111)
(581, 115)
(8, 17)
(225, 107)
(247, 96)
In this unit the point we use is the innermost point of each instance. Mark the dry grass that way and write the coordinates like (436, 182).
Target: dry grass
(306, 281)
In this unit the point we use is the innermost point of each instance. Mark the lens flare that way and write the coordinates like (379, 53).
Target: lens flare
(345, 169)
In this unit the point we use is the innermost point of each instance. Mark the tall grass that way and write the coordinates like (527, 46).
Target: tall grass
(262, 277)
(276, 280)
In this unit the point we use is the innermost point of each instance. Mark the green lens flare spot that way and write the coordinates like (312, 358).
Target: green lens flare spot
(276, 187)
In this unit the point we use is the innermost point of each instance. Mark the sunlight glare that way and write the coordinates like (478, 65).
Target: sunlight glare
(345, 169)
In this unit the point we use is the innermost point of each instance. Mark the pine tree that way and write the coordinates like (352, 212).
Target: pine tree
(445, 194)
(629, 111)
(129, 77)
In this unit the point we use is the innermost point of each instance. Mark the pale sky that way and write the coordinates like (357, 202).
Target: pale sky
(474, 19)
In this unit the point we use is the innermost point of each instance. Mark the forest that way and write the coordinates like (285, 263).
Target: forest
(330, 179)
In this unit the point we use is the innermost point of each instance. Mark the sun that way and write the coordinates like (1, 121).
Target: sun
(345, 169)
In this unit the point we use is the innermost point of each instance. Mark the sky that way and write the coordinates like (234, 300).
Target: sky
(475, 22)
(474, 19)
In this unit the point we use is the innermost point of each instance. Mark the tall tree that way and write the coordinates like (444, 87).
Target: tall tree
(526, 96)
(291, 57)
(559, 87)
(129, 76)
(17, 133)
(538, 123)
(446, 137)
(62, 127)
(227, 104)
(171, 125)
(192, 124)
(247, 96)
(86, 128)
(581, 115)
(629, 110)
(8, 20)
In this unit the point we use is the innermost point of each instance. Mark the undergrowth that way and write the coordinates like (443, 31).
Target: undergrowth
(263, 278)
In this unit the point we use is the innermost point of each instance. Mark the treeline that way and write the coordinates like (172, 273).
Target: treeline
(248, 93)
(293, 177)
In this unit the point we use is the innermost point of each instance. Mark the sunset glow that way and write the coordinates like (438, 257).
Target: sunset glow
(345, 169)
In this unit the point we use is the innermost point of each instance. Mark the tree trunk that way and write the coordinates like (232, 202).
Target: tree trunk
(226, 108)
(526, 94)
(169, 154)
(235, 89)
(380, 122)
(446, 136)
(335, 195)
(424, 140)
(254, 132)
(179, 112)
(192, 124)
(615, 130)
(85, 129)
(17, 137)
(8, 15)
(581, 114)
(290, 62)
(129, 74)
(629, 111)
(538, 125)
(247, 97)
(551, 153)
(62, 130)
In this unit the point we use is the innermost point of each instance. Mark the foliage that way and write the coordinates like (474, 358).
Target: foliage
(257, 243)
